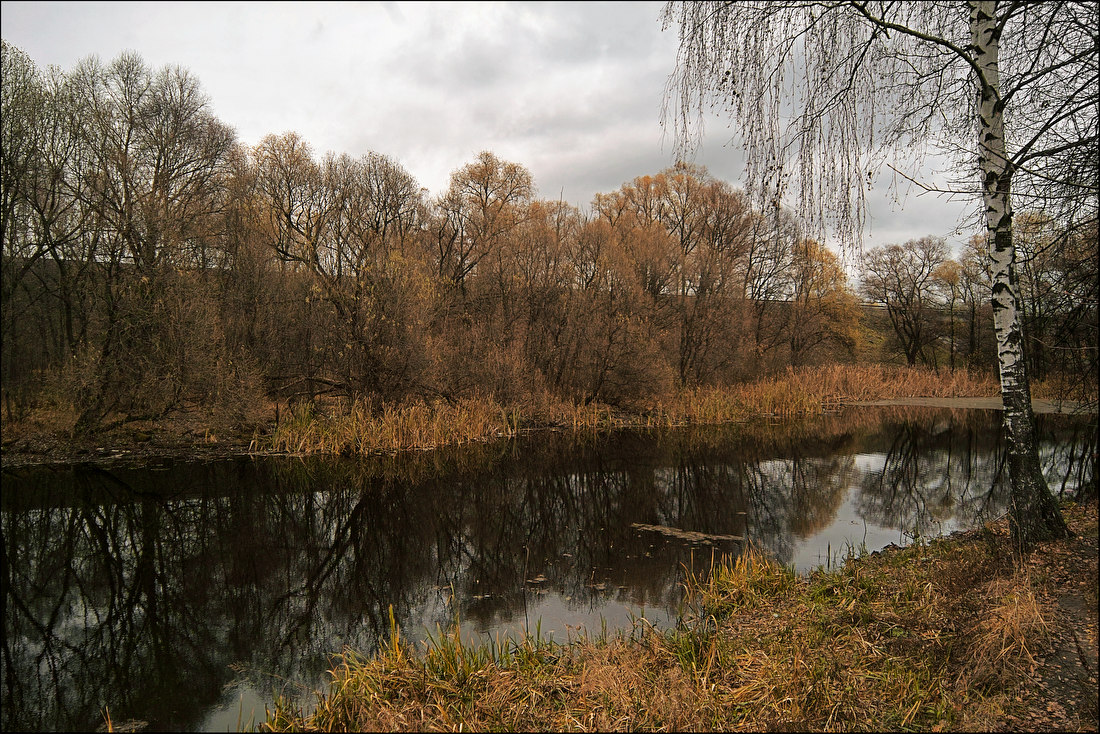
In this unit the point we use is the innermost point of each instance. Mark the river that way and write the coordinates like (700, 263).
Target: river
(186, 595)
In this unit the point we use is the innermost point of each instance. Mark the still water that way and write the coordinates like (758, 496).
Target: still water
(186, 594)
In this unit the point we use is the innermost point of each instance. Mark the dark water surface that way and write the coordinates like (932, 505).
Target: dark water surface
(185, 594)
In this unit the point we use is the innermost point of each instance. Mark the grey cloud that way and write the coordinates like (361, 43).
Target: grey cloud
(581, 33)
(892, 220)
(573, 91)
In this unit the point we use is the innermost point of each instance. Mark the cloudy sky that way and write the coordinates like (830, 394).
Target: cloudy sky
(572, 91)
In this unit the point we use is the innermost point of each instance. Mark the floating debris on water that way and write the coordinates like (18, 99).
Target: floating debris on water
(692, 536)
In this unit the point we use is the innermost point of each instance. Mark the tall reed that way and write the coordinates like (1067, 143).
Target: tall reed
(363, 427)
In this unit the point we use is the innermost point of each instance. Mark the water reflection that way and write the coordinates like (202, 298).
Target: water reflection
(139, 588)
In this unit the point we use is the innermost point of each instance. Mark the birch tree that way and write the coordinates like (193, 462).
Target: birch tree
(826, 93)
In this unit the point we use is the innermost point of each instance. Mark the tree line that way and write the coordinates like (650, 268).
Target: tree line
(153, 262)
(937, 308)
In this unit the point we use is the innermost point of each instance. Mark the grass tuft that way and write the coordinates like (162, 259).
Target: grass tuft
(363, 428)
(1005, 638)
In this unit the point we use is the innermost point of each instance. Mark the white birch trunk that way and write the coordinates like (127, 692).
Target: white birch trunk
(1035, 513)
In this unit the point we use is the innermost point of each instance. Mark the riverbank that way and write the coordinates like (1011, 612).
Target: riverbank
(362, 427)
(45, 434)
(945, 635)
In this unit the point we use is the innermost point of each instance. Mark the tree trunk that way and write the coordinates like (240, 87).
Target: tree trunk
(1035, 514)
(951, 315)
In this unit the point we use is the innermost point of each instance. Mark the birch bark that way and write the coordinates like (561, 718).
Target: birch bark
(1035, 514)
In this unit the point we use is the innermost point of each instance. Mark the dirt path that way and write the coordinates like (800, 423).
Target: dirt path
(1061, 694)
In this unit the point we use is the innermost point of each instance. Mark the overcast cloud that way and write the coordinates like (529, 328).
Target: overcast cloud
(572, 91)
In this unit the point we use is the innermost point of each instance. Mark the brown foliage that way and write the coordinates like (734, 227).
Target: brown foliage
(233, 276)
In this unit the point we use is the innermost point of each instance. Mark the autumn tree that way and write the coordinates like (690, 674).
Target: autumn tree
(470, 236)
(685, 234)
(766, 272)
(257, 300)
(975, 283)
(112, 181)
(618, 356)
(716, 302)
(1058, 296)
(351, 224)
(824, 312)
(947, 279)
(483, 204)
(711, 224)
(824, 92)
(540, 304)
(902, 280)
(1078, 327)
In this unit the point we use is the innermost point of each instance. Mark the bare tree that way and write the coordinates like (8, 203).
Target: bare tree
(902, 279)
(38, 219)
(484, 203)
(974, 286)
(825, 92)
(152, 180)
(350, 223)
(766, 270)
(948, 281)
(1055, 275)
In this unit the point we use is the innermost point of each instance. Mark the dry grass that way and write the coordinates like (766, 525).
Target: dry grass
(1004, 638)
(847, 383)
(518, 686)
(931, 637)
(1061, 387)
(363, 427)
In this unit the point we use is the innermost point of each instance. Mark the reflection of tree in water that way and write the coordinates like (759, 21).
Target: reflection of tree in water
(566, 515)
(1071, 459)
(98, 594)
(127, 587)
(795, 495)
(927, 475)
(953, 470)
(131, 586)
